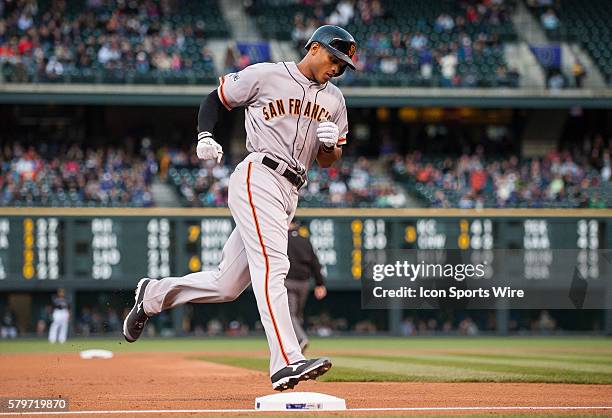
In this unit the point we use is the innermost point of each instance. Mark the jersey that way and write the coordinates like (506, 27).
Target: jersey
(59, 302)
(282, 110)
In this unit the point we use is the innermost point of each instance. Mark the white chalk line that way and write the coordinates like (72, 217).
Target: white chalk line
(242, 411)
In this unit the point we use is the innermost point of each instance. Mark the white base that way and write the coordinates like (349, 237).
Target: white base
(91, 354)
(296, 401)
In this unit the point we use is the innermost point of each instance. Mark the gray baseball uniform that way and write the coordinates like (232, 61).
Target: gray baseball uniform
(282, 111)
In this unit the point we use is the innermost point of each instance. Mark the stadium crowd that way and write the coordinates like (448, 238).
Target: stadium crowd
(119, 40)
(348, 183)
(53, 175)
(97, 320)
(151, 41)
(71, 176)
(561, 179)
(463, 48)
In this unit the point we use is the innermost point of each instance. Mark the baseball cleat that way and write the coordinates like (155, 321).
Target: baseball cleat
(137, 318)
(288, 377)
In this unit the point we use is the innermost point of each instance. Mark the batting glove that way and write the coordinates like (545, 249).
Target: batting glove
(328, 134)
(208, 148)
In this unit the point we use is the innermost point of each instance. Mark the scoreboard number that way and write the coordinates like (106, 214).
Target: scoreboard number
(428, 236)
(322, 238)
(105, 246)
(214, 234)
(158, 248)
(537, 257)
(41, 256)
(587, 260)
(369, 234)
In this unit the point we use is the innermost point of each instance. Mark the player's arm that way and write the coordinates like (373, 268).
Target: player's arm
(332, 135)
(235, 90)
(328, 155)
(210, 109)
(208, 115)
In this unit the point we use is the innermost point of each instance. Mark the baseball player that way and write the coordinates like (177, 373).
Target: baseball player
(58, 330)
(293, 116)
(304, 264)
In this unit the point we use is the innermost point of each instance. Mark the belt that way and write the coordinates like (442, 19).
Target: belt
(295, 179)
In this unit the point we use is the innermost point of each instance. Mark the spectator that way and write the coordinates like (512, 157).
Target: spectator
(299, 35)
(108, 53)
(389, 64)
(556, 187)
(550, 21)
(120, 37)
(546, 182)
(244, 61)
(54, 68)
(556, 81)
(596, 202)
(606, 170)
(418, 41)
(468, 327)
(8, 329)
(444, 23)
(448, 63)
(579, 73)
(342, 14)
(76, 177)
(545, 323)
(230, 65)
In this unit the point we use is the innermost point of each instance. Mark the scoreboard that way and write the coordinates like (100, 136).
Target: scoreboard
(113, 249)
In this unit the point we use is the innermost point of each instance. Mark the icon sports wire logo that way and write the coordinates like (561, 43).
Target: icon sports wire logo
(423, 270)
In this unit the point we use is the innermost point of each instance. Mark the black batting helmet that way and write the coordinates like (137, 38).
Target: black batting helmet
(337, 41)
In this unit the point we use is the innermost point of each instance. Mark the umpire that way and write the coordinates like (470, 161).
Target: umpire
(304, 264)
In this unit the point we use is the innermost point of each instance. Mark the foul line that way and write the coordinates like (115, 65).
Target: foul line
(242, 411)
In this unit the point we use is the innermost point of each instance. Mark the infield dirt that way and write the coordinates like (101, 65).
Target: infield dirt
(146, 381)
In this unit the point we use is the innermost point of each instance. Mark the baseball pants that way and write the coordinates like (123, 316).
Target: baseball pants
(58, 330)
(262, 203)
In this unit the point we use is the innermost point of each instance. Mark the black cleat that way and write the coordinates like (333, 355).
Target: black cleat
(137, 318)
(288, 377)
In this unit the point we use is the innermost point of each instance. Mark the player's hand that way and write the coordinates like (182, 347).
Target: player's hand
(328, 134)
(320, 292)
(208, 148)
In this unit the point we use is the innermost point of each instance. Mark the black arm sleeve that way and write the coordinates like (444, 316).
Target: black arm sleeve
(209, 112)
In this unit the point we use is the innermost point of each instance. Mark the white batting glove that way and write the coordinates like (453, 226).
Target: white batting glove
(328, 133)
(208, 148)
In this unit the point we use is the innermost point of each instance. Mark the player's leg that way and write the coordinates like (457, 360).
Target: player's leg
(63, 329)
(261, 204)
(257, 203)
(224, 284)
(214, 286)
(53, 331)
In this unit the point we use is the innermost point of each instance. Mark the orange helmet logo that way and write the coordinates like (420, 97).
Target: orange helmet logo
(352, 50)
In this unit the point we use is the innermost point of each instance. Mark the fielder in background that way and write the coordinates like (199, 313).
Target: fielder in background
(58, 331)
(294, 116)
(304, 264)
(8, 328)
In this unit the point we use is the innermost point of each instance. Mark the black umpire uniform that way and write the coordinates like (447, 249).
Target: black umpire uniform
(304, 264)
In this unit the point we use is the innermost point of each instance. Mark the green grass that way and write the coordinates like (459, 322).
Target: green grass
(593, 349)
(549, 360)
